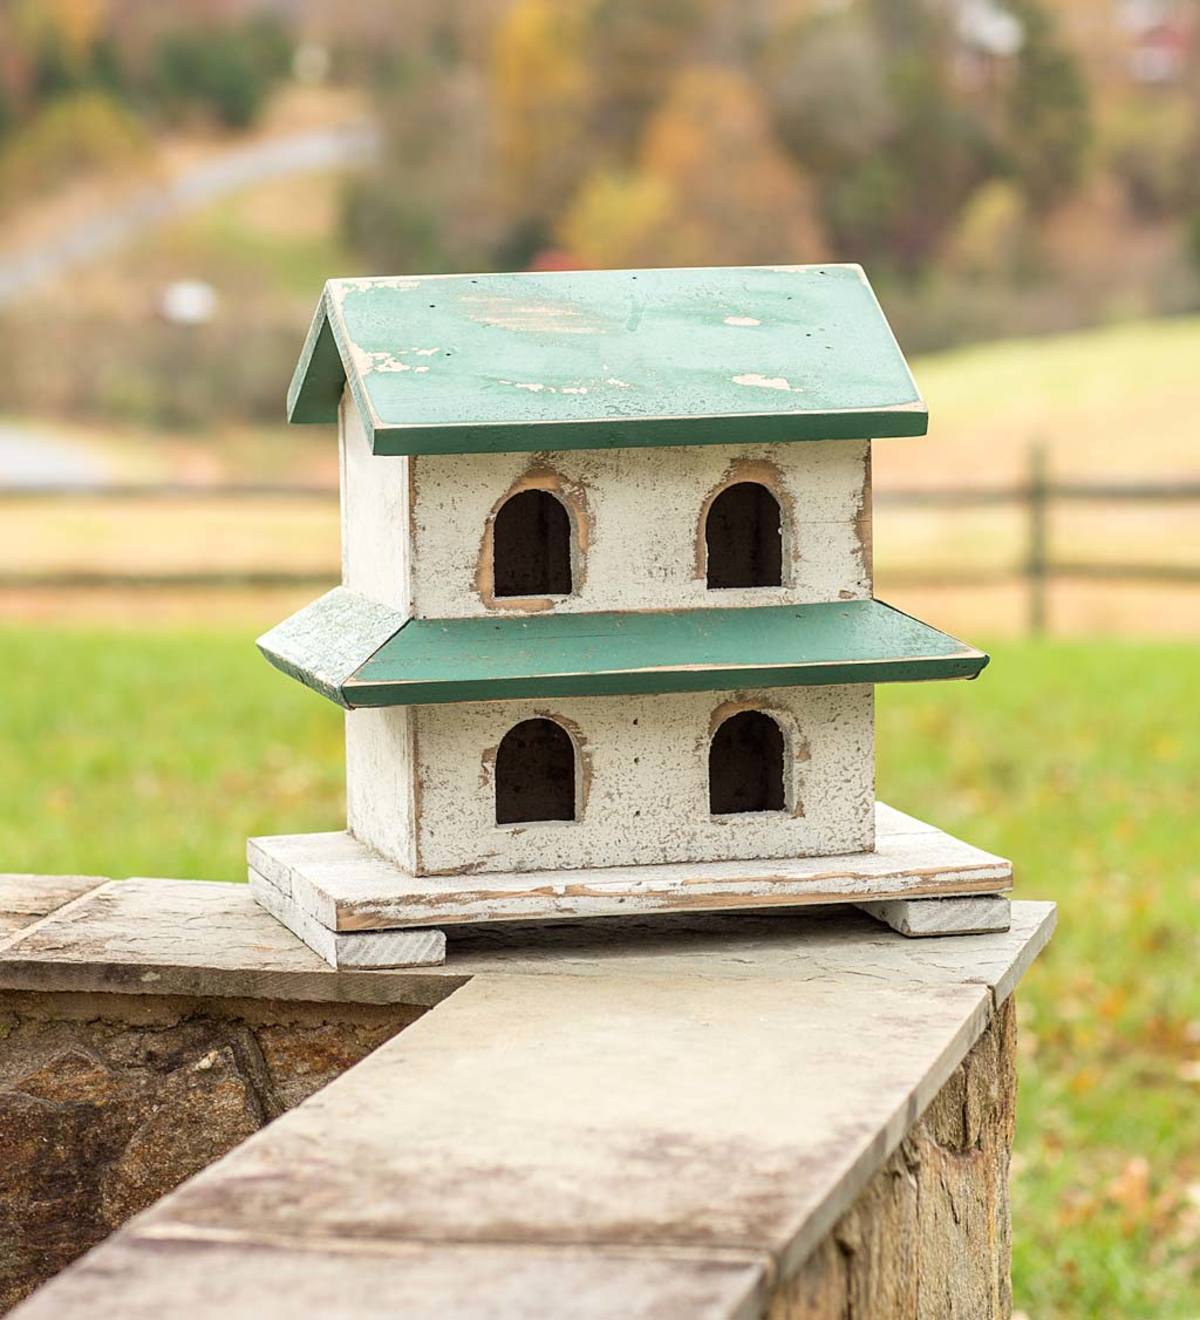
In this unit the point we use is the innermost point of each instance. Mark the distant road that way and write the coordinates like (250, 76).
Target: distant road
(301, 153)
(35, 458)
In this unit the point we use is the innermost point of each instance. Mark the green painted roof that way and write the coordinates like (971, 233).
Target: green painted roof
(606, 359)
(429, 661)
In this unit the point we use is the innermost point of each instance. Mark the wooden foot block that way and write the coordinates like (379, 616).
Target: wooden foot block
(920, 918)
(359, 949)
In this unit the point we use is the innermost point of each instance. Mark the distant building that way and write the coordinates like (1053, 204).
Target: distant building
(989, 36)
(1161, 39)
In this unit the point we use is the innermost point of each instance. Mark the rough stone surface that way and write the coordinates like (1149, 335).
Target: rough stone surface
(25, 899)
(930, 1235)
(108, 1102)
(672, 1116)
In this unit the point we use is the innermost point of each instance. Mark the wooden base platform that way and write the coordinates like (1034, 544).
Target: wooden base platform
(357, 909)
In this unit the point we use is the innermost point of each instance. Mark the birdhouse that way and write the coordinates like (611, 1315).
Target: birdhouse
(606, 637)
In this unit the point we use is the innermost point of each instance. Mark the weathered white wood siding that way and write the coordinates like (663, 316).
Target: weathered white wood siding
(380, 781)
(638, 519)
(643, 782)
(376, 537)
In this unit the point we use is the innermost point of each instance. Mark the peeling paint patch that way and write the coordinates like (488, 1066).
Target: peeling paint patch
(742, 320)
(766, 382)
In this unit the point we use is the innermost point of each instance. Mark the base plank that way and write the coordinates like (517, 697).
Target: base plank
(344, 886)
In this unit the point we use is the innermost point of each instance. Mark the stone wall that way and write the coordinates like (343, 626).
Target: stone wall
(109, 1101)
(930, 1235)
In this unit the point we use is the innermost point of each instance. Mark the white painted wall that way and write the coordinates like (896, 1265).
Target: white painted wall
(644, 783)
(380, 779)
(414, 537)
(375, 516)
(638, 515)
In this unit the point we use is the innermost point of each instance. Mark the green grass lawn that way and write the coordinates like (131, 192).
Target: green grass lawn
(157, 753)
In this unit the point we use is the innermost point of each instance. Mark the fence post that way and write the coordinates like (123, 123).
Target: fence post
(1036, 567)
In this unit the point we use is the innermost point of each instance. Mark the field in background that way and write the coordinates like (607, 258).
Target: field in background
(157, 753)
(1113, 405)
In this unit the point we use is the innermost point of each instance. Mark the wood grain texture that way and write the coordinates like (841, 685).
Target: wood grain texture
(602, 359)
(921, 917)
(323, 644)
(642, 783)
(637, 523)
(377, 948)
(345, 886)
(376, 519)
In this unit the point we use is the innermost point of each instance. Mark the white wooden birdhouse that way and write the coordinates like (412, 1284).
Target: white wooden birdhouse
(606, 637)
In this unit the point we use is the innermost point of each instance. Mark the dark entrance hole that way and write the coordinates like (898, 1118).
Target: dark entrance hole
(531, 546)
(745, 765)
(535, 773)
(744, 537)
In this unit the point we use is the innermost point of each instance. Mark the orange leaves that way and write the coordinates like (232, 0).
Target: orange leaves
(711, 185)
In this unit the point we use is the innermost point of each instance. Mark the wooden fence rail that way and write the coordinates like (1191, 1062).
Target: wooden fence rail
(1036, 496)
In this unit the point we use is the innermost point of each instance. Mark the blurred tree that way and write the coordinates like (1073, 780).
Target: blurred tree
(711, 185)
(1150, 145)
(634, 52)
(1049, 115)
(993, 238)
(617, 218)
(826, 84)
(540, 90)
(73, 135)
(434, 203)
(226, 71)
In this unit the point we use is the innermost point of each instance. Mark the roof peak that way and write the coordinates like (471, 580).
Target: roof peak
(607, 359)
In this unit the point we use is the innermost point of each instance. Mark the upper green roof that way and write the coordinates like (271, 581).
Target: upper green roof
(604, 359)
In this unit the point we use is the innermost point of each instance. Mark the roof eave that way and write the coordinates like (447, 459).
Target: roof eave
(326, 643)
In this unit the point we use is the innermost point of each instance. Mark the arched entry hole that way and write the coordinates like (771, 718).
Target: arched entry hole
(535, 773)
(743, 535)
(745, 765)
(531, 546)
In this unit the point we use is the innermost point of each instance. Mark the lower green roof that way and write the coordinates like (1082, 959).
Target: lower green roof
(558, 655)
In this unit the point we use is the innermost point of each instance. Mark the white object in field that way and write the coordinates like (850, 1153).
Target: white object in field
(979, 914)
(421, 781)
(188, 302)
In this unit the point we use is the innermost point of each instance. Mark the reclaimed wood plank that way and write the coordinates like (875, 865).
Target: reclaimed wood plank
(919, 918)
(346, 886)
(323, 644)
(368, 948)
